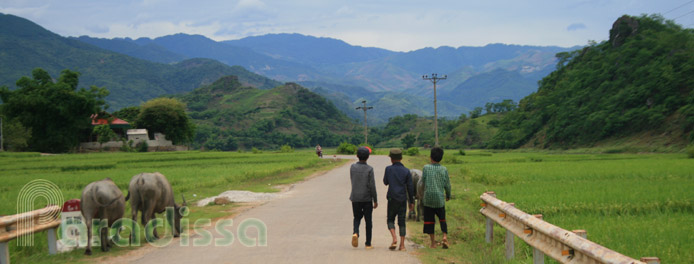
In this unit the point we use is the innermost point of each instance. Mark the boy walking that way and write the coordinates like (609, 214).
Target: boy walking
(400, 190)
(435, 177)
(363, 193)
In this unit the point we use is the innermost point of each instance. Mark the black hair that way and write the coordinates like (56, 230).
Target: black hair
(362, 153)
(436, 154)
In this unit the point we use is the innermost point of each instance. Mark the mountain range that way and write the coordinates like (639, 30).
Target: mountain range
(25, 46)
(139, 69)
(347, 74)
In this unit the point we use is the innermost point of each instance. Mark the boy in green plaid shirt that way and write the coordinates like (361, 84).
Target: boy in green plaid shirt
(436, 181)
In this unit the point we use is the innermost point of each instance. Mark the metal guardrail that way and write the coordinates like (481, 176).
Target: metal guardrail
(545, 238)
(13, 226)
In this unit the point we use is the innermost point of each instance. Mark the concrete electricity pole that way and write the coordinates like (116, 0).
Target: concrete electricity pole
(434, 79)
(366, 133)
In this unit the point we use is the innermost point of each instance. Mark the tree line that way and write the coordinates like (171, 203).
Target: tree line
(48, 115)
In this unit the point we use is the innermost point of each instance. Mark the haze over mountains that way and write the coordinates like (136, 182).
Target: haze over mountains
(25, 46)
(140, 69)
(348, 74)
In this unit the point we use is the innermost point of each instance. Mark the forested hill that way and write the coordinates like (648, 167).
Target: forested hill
(25, 46)
(636, 85)
(230, 115)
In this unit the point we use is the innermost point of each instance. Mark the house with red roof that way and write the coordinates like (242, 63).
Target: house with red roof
(124, 132)
(119, 126)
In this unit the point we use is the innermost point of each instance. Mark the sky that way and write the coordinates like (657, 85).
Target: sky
(401, 25)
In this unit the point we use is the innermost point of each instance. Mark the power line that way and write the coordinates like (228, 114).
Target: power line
(690, 12)
(678, 7)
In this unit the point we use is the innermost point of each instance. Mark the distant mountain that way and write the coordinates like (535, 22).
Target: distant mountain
(334, 64)
(25, 46)
(309, 50)
(149, 51)
(230, 115)
(197, 46)
(386, 104)
(493, 86)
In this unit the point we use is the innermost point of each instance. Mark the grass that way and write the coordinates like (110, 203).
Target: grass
(636, 204)
(196, 175)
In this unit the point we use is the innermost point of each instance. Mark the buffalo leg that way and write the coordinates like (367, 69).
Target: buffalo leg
(134, 212)
(88, 221)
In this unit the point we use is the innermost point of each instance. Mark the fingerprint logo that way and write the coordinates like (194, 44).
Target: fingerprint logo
(32, 192)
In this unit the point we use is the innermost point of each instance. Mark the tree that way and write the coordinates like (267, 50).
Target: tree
(128, 114)
(476, 112)
(15, 135)
(104, 133)
(167, 116)
(462, 118)
(56, 112)
(489, 106)
(408, 140)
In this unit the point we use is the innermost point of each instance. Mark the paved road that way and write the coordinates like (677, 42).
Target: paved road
(312, 223)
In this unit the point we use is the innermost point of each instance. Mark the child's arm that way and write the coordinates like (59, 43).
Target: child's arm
(410, 188)
(448, 186)
(372, 187)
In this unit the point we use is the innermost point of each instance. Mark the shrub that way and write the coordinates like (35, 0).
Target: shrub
(286, 149)
(690, 152)
(452, 160)
(413, 151)
(256, 150)
(461, 152)
(346, 148)
(127, 146)
(142, 146)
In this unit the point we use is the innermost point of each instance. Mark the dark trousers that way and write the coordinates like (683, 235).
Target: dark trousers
(365, 210)
(430, 221)
(398, 209)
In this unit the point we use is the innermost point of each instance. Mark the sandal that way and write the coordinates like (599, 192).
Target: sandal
(444, 243)
(393, 246)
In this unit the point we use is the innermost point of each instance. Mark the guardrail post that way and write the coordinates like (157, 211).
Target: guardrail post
(489, 234)
(538, 255)
(4, 253)
(52, 241)
(580, 232)
(509, 241)
(650, 260)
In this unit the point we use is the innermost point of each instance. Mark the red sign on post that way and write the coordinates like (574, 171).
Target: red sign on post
(72, 205)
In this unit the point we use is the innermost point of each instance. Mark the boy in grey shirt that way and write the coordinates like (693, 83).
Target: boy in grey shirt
(363, 193)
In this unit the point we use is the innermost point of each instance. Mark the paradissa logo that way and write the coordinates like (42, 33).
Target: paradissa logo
(200, 226)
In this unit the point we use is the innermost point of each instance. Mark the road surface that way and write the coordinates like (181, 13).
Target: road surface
(311, 223)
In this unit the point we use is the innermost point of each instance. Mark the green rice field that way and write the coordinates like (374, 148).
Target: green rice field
(636, 204)
(196, 175)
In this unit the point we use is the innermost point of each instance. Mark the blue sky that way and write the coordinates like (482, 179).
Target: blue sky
(401, 25)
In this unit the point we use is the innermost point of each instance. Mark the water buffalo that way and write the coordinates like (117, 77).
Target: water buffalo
(104, 201)
(418, 194)
(151, 193)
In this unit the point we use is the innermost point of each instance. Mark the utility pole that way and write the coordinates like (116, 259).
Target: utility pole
(434, 79)
(366, 133)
